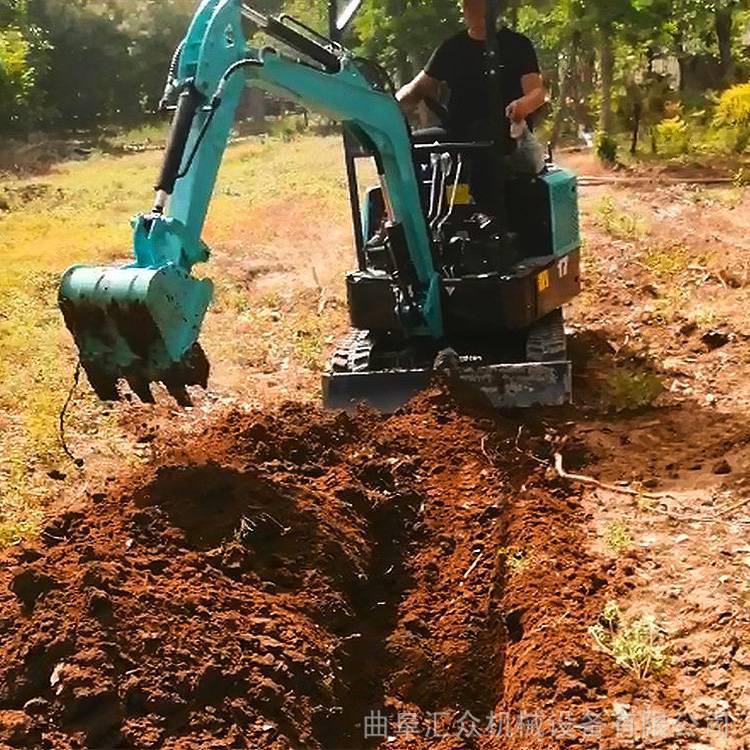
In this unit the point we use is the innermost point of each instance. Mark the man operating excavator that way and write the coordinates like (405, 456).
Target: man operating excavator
(459, 62)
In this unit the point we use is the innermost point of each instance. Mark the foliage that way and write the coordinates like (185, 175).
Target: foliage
(21, 44)
(627, 390)
(637, 647)
(115, 52)
(618, 538)
(733, 109)
(16, 75)
(606, 148)
(666, 261)
(733, 114)
(672, 136)
(620, 224)
(81, 63)
(401, 34)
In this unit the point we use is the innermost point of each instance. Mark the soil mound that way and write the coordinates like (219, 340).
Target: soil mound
(281, 577)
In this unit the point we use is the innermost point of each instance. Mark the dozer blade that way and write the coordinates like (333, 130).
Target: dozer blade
(137, 324)
(354, 377)
(505, 386)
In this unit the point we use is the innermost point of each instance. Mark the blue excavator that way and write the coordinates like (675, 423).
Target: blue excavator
(442, 284)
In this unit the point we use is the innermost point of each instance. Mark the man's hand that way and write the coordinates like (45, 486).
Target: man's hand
(534, 96)
(515, 111)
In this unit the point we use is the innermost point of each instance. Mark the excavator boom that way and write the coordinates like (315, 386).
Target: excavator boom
(141, 322)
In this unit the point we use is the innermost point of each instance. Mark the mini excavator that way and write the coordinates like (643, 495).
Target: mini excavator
(442, 285)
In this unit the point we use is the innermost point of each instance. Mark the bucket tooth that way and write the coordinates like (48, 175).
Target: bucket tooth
(180, 394)
(141, 387)
(196, 367)
(103, 385)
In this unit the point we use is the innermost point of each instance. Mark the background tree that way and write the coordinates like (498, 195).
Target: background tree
(71, 64)
(402, 34)
(21, 46)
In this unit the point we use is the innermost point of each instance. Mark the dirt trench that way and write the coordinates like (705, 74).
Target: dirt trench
(305, 580)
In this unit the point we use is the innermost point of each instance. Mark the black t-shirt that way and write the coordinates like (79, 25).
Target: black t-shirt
(459, 62)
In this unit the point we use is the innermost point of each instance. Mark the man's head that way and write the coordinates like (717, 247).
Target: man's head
(474, 14)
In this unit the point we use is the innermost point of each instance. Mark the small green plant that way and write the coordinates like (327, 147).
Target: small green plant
(617, 537)
(637, 647)
(617, 223)
(704, 317)
(606, 148)
(672, 137)
(515, 560)
(627, 390)
(308, 343)
(16, 531)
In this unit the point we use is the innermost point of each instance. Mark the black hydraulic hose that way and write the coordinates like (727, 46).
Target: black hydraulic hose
(172, 74)
(248, 62)
(214, 106)
(385, 77)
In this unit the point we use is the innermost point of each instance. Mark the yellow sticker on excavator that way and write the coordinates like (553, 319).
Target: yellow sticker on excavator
(463, 194)
(542, 281)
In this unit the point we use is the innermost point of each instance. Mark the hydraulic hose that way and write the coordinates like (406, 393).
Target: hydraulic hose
(171, 75)
(187, 106)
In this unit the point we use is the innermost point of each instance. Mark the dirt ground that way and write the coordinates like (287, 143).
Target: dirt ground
(270, 576)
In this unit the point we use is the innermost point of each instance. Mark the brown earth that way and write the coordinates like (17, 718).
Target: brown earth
(291, 573)
(285, 578)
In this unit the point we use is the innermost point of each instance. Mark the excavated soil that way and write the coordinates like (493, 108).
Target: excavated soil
(296, 579)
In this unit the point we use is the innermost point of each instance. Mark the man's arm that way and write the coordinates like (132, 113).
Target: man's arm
(421, 88)
(534, 97)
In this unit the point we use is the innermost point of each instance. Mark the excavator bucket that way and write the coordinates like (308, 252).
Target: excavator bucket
(137, 324)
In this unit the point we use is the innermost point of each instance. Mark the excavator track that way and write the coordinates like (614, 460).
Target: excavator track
(546, 341)
(354, 353)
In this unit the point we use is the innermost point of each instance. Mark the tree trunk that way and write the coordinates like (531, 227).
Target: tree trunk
(606, 79)
(724, 25)
(637, 114)
(566, 87)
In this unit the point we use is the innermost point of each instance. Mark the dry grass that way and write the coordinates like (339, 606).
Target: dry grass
(618, 222)
(666, 262)
(278, 205)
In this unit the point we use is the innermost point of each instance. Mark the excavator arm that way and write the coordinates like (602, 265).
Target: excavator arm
(141, 322)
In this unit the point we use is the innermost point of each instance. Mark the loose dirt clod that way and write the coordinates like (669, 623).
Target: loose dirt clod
(288, 574)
